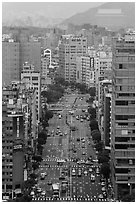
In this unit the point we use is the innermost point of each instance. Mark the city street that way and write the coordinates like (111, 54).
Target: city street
(73, 147)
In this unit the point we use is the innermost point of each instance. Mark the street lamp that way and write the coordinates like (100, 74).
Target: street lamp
(130, 188)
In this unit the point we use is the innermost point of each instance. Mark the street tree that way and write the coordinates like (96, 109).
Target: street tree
(37, 158)
(105, 170)
(103, 158)
(92, 112)
(96, 136)
(35, 165)
(99, 146)
(92, 91)
(93, 125)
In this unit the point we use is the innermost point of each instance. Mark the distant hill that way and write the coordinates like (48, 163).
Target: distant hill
(111, 15)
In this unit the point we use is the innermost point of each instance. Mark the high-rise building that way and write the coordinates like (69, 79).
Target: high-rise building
(10, 62)
(69, 48)
(32, 79)
(123, 116)
(30, 52)
(15, 52)
(19, 131)
(85, 70)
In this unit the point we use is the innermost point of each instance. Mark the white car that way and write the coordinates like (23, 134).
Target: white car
(32, 193)
(43, 193)
(73, 172)
(90, 170)
(92, 177)
(85, 173)
(102, 183)
(103, 189)
(100, 196)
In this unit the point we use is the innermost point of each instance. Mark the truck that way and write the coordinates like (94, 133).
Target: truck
(55, 188)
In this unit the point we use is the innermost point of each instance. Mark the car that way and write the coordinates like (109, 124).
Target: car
(32, 193)
(90, 170)
(97, 171)
(58, 127)
(81, 120)
(103, 189)
(83, 153)
(85, 173)
(80, 189)
(78, 139)
(100, 196)
(74, 189)
(104, 194)
(39, 190)
(79, 172)
(73, 172)
(49, 183)
(60, 116)
(88, 163)
(43, 193)
(65, 133)
(92, 177)
(103, 184)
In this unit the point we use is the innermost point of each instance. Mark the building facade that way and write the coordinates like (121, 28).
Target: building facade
(85, 70)
(69, 48)
(123, 116)
(32, 79)
(10, 62)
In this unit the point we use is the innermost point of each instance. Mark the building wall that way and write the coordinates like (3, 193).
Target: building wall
(32, 79)
(30, 52)
(123, 117)
(84, 65)
(10, 62)
(69, 48)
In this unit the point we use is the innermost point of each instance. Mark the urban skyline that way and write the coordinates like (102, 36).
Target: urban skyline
(68, 104)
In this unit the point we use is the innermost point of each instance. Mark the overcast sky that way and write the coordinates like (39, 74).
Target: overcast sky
(48, 9)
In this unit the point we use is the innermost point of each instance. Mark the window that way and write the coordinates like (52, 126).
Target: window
(121, 103)
(120, 66)
(34, 78)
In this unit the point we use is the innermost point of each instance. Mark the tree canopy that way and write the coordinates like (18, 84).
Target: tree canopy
(93, 125)
(105, 170)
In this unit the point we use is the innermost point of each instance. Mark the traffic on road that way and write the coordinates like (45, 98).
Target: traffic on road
(70, 170)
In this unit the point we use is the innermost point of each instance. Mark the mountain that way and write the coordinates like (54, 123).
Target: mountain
(41, 14)
(111, 15)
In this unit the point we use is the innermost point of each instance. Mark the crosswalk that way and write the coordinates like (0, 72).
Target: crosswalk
(51, 159)
(64, 166)
(83, 199)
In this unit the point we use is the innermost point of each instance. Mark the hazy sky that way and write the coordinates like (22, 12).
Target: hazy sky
(48, 9)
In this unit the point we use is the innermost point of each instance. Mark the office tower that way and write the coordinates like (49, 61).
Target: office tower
(15, 52)
(69, 48)
(30, 52)
(19, 131)
(85, 70)
(123, 116)
(32, 80)
(10, 62)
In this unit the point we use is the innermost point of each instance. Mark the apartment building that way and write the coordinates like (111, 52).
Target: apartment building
(85, 70)
(69, 48)
(15, 52)
(10, 62)
(19, 131)
(32, 79)
(123, 116)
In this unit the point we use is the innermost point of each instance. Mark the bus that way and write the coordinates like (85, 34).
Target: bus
(55, 188)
